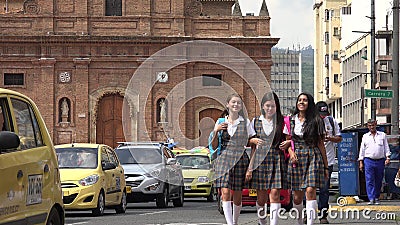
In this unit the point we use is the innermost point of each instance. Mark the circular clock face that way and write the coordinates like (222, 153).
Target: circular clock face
(162, 77)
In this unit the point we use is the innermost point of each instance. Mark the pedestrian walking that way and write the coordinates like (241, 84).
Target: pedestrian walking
(332, 137)
(374, 155)
(268, 169)
(309, 156)
(231, 136)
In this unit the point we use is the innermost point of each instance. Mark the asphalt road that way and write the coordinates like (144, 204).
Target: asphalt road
(198, 211)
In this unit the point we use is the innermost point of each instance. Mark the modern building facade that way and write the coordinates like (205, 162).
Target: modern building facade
(76, 59)
(286, 78)
(327, 76)
(356, 78)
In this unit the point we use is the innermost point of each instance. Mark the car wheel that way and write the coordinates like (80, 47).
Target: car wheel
(121, 208)
(99, 211)
(178, 202)
(54, 218)
(210, 198)
(219, 205)
(162, 199)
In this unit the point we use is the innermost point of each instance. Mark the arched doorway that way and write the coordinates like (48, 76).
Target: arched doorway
(109, 129)
(206, 125)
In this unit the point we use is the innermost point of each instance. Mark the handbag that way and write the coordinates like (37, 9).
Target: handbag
(397, 179)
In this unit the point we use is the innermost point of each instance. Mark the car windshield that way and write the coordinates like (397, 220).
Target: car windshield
(193, 161)
(139, 155)
(77, 157)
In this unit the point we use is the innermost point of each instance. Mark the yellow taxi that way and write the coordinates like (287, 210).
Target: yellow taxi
(197, 172)
(91, 178)
(30, 188)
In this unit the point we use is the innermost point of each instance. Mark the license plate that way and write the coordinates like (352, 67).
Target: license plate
(128, 189)
(35, 188)
(252, 192)
(188, 188)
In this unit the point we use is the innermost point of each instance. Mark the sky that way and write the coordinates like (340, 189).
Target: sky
(291, 20)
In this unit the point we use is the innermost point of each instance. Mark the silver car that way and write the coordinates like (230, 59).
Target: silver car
(151, 173)
(334, 181)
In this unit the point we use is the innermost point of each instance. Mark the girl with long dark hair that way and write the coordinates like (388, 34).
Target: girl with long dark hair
(309, 156)
(268, 169)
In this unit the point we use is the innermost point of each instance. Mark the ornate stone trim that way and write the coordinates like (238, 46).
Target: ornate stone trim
(31, 7)
(194, 8)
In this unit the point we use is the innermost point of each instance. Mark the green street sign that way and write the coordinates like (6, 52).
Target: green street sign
(374, 93)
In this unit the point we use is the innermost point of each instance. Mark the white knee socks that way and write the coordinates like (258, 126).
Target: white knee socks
(299, 209)
(311, 208)
(261, 214)
(236, 213)
(273, 215)
(227, 207)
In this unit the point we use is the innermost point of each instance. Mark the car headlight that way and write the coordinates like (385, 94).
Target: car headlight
(203, 179)
(154, 173)
(90, 180)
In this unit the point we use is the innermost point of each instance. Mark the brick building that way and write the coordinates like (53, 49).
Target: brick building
(75, 58)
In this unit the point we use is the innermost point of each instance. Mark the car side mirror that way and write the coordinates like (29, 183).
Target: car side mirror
(171, 161)
(108, 166)
(9, 140)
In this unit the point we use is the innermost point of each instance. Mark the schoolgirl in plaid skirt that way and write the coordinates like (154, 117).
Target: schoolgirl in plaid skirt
(232, 163)
(309, 165)
(268, 169)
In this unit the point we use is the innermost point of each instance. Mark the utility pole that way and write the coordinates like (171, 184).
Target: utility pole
(373, 100)
(395, 64)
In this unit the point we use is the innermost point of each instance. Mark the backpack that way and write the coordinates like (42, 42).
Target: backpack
(210, 137)
(330, 118)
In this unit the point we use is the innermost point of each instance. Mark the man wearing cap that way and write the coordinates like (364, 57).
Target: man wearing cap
(374, 155)
(332, 137)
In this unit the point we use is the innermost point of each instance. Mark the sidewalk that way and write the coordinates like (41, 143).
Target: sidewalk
(385, 205)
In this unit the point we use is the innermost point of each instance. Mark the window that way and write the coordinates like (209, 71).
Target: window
(336, 78)
(28, 127)
(326, 60)
(13, 79)
(385, 103)
(384, 77)
(212, 80)
(326, 14)
(327, 83)
(113, 7)
(4, 116)
(346, 10)
(326, 37)
(336, 31)
(335, 55)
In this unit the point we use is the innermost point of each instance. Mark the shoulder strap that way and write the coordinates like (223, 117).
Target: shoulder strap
(330, 118)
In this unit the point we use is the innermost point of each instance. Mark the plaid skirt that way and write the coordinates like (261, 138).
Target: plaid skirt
(309, 172)
(234, 177)
(271, 172)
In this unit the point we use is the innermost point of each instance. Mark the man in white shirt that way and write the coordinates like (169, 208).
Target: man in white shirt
(332, 137)
(374, 155)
